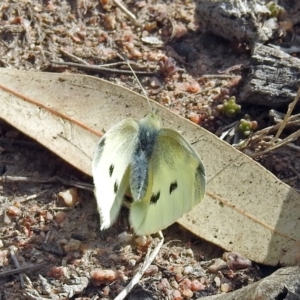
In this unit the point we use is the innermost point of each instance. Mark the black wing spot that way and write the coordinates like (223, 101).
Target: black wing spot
(173, 187)
(111, 169)
(154, 198)
(102, 143)
(116, 187)
(201, 170)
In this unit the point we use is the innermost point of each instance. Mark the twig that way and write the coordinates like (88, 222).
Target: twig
(288, 139)
(31, 197)
(22, 269)
(17, 265)
(103, 69)
(72, 56)
(286, 118)
(125, 10)
(219, 76)
(81, 185)
(136, 278)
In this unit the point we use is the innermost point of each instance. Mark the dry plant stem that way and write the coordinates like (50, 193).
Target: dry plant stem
(81, 185)
(285, 141)
(219, 76)
(17, 265)
(104, 70)
(286, 118)
(72, 56)
(125, 10)
(136, 278)
(22, 269)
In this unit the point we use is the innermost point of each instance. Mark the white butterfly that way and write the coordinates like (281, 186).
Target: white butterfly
(157, 165)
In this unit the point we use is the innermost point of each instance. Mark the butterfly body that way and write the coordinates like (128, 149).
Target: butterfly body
(164, 174)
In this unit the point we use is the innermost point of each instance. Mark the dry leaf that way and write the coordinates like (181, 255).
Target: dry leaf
(246, 208)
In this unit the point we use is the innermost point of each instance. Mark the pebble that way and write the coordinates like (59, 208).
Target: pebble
(226, 287)
(72, 245)
(70, 196)
(196, 286)
(60, 217)
(236, 261)
(3, 258)
(99, 277)
(217, 281)
(217, 266)
(57, 272)
(152, 269)
(188, 270)
(177, 295)
(141, 241)
(13, 211)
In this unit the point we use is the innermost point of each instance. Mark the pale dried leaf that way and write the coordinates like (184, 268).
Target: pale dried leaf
(246, 208)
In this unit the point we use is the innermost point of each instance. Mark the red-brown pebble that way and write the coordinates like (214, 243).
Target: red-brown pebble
(196, 285)
(99, 277)
(57, 272)
(13, 211)
(152, 269)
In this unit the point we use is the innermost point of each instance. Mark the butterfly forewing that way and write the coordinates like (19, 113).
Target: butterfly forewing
(110, 168)
(176, 184)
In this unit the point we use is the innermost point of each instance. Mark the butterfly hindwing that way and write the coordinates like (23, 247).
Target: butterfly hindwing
(176, 183)
(110, 168)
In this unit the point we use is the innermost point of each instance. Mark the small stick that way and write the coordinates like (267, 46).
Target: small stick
(286, 118)
(136, 278)
(81, 185)
(283, 142)
(72, 56)
(103, 69)
(219, 76)
(125, 10)
(22, 269)
(17, 265)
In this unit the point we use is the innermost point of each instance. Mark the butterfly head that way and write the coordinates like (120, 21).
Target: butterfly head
(151, 120)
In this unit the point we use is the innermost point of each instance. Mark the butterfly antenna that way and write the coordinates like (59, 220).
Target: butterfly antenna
(144, 92)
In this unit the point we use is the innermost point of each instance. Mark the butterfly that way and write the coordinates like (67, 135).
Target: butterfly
(160, 169)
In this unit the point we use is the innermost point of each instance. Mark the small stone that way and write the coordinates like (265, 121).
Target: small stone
(1, 244)
(152, 269)
(187, 293)
(99, 277)
(188, 270)
(132, 262)
(236, 261)
(185, 284)
(72, 245)
(189, 253)
(57, 272)
(197, 286)
(226, 287)
(177, 295)
(3, 258)
(217, 281)
(217, 266)
(141, 241)
(60, 217)
(70, 196)
(13, 211)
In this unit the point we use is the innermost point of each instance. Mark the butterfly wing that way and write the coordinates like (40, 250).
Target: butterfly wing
(110, 169)
(176, 184)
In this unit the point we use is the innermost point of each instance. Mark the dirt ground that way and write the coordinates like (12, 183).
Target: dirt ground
(197, 71)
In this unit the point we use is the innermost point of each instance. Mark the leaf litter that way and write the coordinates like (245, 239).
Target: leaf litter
(44, 228)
